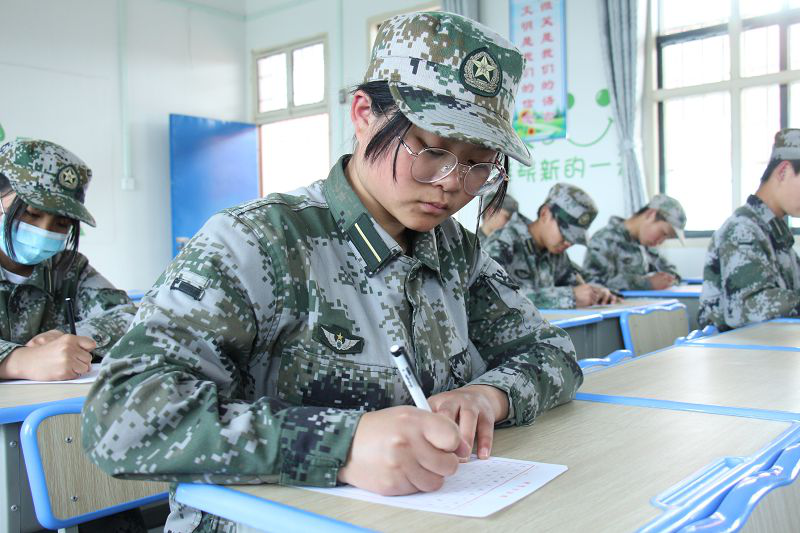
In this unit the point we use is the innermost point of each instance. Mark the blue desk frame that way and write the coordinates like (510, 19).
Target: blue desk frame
(718, 498)
(719, 338)
(36, 474)
(689, 298)
(18, 492)
(605, 336)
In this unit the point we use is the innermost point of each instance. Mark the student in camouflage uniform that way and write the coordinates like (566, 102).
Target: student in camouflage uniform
(262, 352)
(622, 256)
(751, 272)
(42, 189)
(492, 221)
(534, 252)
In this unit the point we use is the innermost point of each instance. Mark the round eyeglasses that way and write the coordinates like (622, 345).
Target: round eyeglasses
(434, 164)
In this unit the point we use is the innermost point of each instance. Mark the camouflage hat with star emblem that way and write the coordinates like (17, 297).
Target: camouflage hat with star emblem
(787, 145)
(672, 211)
(453, 77)
(47, 176)
(573, 209)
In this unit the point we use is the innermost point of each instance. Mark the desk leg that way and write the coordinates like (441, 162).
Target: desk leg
(692, 306)
(16, 507)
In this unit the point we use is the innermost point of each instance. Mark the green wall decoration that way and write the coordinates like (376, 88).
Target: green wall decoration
(2, 133)
(602, 98)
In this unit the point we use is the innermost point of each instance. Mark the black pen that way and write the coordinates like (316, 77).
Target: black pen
(399, 357)
(70, 315)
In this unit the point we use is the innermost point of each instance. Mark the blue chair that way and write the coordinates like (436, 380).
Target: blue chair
(67, 488)
(611, 359)
(651, 328)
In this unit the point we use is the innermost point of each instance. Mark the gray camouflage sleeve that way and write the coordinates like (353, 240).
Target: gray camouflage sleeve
(171, 400)
(103, 312)
(596, 266)
(531, 360)
(749, 277)
(553, 297)
(602, 264)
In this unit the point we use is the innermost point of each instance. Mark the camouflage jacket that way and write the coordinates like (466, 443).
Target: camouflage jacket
(751, 272)
(546, 278)
(618, 261)
(37, 305)
(256, 352)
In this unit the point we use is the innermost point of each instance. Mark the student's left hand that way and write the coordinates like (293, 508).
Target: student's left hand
(475, 408)
(44, 337)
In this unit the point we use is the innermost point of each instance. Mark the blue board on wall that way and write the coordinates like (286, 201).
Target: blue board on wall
(213, 165)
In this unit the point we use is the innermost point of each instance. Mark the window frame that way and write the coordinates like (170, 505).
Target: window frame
(655, 95)
(291, 110)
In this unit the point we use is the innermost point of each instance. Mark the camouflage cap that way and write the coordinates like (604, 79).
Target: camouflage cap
(573, 209)
(453, 77)
(787, 145)
(47, 176)
(509, 203)
(672, 211)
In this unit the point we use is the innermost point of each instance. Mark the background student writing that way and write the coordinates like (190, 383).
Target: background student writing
(42, 190)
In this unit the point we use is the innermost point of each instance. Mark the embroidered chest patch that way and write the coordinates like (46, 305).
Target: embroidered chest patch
(338, 339)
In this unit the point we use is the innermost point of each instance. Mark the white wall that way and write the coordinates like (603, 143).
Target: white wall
(591, 137)
(344, 23)
(60, 80)
(61, 67)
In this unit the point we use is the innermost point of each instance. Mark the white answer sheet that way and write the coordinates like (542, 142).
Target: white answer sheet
(478, 489)
(90, 377)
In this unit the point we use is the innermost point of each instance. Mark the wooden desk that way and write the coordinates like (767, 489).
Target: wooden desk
(17, 402)
(779, 334)
(688, 295)
(619, 459)
(747, 379)
(605, 336)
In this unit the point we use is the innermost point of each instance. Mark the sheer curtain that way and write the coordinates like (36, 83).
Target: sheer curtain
(468, 8)
(622, 40)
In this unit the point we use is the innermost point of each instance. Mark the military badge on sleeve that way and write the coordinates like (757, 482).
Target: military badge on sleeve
(480, 73)
(338, 339)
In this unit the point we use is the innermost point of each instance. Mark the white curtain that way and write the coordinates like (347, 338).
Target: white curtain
(467, 8)
(622, 39)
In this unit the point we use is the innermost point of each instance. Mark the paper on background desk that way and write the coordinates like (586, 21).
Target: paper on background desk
(86, 378)
(478, 489)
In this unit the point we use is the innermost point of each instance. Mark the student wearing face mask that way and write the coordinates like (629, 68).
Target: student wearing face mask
(623, 255)
(42, 190)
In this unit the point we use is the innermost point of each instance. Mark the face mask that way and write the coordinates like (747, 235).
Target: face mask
(32, 244)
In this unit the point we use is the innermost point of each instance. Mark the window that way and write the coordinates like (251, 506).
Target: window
(292, 112)
(728, 78)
